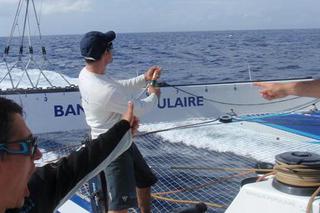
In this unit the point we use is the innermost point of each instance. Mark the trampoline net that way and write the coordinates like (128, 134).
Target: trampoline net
(189, 174)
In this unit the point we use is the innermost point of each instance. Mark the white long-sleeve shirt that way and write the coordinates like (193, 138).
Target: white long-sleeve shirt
(104, 99)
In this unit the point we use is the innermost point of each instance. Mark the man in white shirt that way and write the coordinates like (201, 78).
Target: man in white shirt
(104, 100)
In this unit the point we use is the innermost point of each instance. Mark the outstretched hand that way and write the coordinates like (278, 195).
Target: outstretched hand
(272, 91)
(153, 71)
(133, 120)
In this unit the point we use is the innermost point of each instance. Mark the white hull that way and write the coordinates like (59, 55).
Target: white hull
(55, 110)
(255, 197)
(60, 109)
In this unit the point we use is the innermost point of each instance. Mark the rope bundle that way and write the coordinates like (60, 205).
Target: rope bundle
(297, 175)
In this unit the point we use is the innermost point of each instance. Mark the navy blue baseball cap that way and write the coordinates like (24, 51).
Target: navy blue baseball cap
(93, 44)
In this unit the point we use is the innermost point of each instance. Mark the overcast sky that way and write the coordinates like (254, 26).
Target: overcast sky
(79, 16)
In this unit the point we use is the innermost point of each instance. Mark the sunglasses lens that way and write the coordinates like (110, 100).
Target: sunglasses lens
(26, 147)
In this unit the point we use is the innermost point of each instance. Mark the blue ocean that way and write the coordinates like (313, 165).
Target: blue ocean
(198, 57)
(193, 58)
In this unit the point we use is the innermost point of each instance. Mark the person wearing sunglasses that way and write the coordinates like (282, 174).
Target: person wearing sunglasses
(25, 188)
(104, 99)
(26, 146)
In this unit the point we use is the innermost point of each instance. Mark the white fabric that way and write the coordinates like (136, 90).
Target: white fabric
(104, 99)
(123, 145)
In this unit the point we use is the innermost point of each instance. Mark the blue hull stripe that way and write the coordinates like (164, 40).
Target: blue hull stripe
(298, 132)
(306, 125)
(81, 202)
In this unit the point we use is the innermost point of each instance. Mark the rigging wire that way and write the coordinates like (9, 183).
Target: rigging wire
(199, 124)
(27, 26)
(37, 21)
(230, 103)
(7, 48)
(15, 22)
(236, 119)
(292, 175)
(163, 195)
(212, 123)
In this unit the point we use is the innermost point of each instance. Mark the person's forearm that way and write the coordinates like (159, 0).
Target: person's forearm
(136, 83)
(304, 88)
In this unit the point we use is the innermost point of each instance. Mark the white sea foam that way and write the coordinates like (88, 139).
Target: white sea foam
(235, 137)
(47, 157)
(18, 75)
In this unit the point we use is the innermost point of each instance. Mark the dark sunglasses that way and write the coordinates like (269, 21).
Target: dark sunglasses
(27, 146)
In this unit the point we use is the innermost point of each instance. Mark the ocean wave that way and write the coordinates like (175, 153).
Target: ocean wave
(20, 78)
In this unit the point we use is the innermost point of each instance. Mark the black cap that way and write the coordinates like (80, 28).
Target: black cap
(93, 44)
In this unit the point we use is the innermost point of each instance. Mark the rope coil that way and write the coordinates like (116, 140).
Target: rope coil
(297, 175)
(294, 175)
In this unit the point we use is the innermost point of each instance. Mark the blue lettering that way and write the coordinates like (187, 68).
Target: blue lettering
(192, 101)
(200, 100)
(79, 109)
(70, 110)
(58, 111)
(164, 104)
(169, 104)
(178, 103)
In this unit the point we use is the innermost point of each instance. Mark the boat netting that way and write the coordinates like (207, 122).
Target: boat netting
(181, 179)
(188, 173)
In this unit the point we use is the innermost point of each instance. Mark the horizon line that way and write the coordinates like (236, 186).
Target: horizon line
(182, 31)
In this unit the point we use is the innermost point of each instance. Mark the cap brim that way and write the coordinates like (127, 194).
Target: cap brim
(110, 36)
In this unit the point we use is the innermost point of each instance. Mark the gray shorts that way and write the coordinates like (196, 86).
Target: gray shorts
(123, 175)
